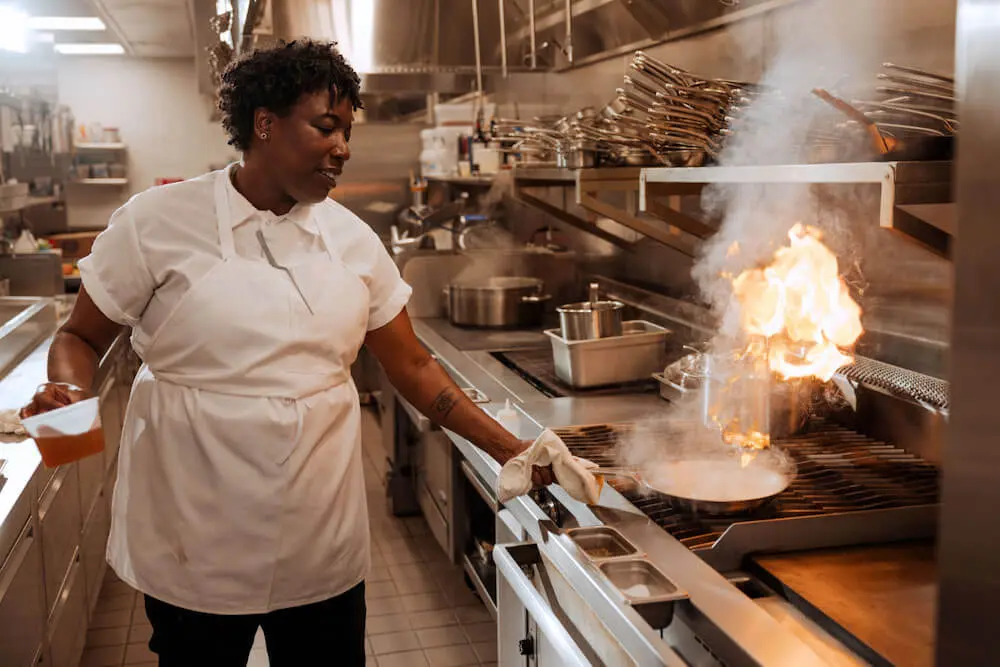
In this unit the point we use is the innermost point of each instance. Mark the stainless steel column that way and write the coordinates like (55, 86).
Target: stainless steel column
(969, 538)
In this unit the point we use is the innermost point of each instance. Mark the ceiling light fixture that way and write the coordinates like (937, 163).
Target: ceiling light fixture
(13, 29)
(90, 49)
(66, 23)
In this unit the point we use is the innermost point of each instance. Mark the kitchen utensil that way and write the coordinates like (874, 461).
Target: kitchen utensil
(882, 144)
(497, 302)
(919, 72)
(598, 362)
(67, 434)
(586, 320)
(716, 485)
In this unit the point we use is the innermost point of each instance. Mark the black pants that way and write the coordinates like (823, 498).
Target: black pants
(331, 632)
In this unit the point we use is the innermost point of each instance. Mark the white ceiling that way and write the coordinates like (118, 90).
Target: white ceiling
(150, 28)
(146, 28)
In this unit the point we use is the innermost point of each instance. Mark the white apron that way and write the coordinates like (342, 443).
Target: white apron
(240, 488)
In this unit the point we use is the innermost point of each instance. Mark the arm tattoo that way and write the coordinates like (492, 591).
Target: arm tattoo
(444, 403)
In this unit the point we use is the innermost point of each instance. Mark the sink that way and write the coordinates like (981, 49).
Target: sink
(24, 322)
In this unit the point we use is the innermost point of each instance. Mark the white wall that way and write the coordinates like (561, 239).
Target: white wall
(161, 116)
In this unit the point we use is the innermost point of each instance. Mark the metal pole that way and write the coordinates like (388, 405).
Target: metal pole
(479, 55)
(503, 39)
(531, 26)
(569, 31)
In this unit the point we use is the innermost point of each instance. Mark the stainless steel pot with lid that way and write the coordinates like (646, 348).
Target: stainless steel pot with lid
(587, 320)
(497, 302)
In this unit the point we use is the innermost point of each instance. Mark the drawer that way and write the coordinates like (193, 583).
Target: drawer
(13, 525)
(112, 416)
(435, 520)
(91, 471)
(436, 469)
(22, 604)
(59, 527)
(93, 547)
(68, 625)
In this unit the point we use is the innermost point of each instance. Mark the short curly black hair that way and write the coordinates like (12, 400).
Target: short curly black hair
(276, 78)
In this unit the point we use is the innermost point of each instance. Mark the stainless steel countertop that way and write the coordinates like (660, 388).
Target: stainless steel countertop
(747, 633)
(16, 388)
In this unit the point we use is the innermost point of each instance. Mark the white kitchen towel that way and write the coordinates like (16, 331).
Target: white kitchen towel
(571, 473)
(10, 423)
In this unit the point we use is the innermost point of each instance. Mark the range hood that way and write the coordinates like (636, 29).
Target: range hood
(398, 46)
(424, 46)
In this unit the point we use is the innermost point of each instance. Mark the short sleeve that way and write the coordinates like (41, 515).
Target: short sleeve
(115, 273)
(388, 293)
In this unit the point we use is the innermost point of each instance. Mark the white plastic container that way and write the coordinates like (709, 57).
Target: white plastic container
(67, 434)
(632, 357)
(509, 419)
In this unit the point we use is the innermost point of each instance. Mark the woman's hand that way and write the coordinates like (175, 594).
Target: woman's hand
(52, 396)
(540, 475)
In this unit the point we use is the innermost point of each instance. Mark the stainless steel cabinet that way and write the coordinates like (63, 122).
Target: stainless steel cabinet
(60, 524)
(68, 623)
(534, 628)
(52, 577)
(113, 401)
(22, 603)
(434, 486)
(93, 545)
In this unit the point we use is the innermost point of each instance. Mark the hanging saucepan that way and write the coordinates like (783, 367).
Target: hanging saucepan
(714, 484)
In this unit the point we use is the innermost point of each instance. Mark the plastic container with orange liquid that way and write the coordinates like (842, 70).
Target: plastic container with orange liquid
(67, 434)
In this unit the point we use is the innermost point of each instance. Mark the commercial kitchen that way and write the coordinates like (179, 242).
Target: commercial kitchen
(711, 245)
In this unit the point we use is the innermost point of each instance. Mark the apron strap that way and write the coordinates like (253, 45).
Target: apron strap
(223, 215)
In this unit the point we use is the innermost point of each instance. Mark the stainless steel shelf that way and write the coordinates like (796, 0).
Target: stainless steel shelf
(31, 201)
(523, 175)
(101, 181)
(99, 146)
(907, 190)
(847, 172)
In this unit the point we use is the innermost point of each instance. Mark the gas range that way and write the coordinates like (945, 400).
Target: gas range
(537, 367)
(850, 489)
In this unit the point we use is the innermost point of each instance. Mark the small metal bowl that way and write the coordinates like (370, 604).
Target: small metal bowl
(645, 589)
(602, 543)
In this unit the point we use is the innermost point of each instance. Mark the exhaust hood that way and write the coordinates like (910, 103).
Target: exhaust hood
(397, 46)
(425, 46)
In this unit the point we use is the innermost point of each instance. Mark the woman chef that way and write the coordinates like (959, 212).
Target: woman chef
(240, 501)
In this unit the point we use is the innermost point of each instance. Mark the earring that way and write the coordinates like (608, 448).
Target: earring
(264, 135)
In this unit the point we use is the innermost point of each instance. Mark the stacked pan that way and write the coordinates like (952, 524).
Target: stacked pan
(680, 117)
(912, 115)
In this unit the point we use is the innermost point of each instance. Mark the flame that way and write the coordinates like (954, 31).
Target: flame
(802, 306)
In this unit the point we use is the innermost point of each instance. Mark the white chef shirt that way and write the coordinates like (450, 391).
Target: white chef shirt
(157, 246)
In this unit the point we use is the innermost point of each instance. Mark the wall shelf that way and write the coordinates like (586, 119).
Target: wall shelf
(99, 146)
(914, 196)
(31, 201)
(101, 181)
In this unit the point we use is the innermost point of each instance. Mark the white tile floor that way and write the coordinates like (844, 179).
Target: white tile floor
(420, 611)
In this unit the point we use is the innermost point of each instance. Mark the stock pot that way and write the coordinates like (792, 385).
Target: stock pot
(497, 302)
